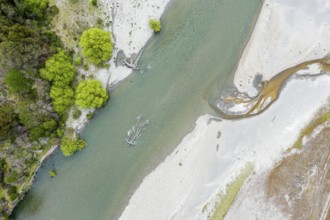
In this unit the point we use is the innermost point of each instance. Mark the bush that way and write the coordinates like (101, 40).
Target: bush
(94, 2)
(78, 61)
(59, 70)
(59, 132)
(70, 145)
(36, 133)
(7, 120)
(62, 98)
(17, 82)
(91, 94)
(34, 8)
(96, 44)
(12, 193)
(90, 115)
(29, 115)
(11, 178)
(155, 25)
(45, 129)
(76, 114)
(52, 173)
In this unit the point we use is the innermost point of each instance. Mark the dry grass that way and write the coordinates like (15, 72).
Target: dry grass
(299, 185)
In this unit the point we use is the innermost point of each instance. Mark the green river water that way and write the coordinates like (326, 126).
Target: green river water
(194, 55)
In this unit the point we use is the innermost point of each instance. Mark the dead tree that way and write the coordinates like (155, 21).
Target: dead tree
(133, 64)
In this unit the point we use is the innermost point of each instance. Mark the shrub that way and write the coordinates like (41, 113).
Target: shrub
(17, 82)
(34, 8)
(76, 114)
(94, 2)
(7, 120)
(78, 61)
(44, 129)
(59, 70)
(36, 133)
(52, 173)
(90, 115)
(62, 98)
(59, 132)
(96, 44)
(70, 145)
(91, 94)
(12, 193)
(155, 25)
(11, 178)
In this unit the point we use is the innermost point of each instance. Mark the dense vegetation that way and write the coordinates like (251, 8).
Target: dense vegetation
(28, 123)
(97, 45)
(37, 89)
(91, 94)
(155, 25)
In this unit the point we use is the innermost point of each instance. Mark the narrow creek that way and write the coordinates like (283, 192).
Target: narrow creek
(195, 54)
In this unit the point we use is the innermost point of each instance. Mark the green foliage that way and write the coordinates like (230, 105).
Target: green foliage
(78, 61)
(36, 133)
(33, 8)
(76, 114)
(59, 70)
(96, 44)
(91, 94)
(106, 65)
(29, 115)
(17, 82)
(60, 132)
(45, 129)
(62, 98)
(232, 189)
(12, 193)
(21, 46)
(155, 25)
(11, 177)
(7, 120)
(94, 2)
(52, 173)
(70, 145)
(90, 115)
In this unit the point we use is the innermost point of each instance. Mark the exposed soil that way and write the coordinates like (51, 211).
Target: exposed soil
(300, 184)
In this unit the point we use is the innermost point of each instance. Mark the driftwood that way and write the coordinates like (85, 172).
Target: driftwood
(134, 133)
(133, 64)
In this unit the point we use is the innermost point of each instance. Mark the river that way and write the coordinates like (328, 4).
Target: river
(194, 55)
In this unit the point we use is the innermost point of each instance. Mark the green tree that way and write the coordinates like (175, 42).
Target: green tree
(17, 82)
(96, 44)
(59, 70)
(70, 145)
(21, 46)
(43, 130)
(62, 98)
(155, 25)
(91, 94)
(34, 8)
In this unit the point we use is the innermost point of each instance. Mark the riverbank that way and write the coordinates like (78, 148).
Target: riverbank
(188, 183)
(128, 23)
(288, 33)
(130, 31)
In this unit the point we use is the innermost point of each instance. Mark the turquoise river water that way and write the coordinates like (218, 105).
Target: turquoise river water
(194, 55)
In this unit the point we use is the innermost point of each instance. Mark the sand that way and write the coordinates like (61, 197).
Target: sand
(186, 184)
